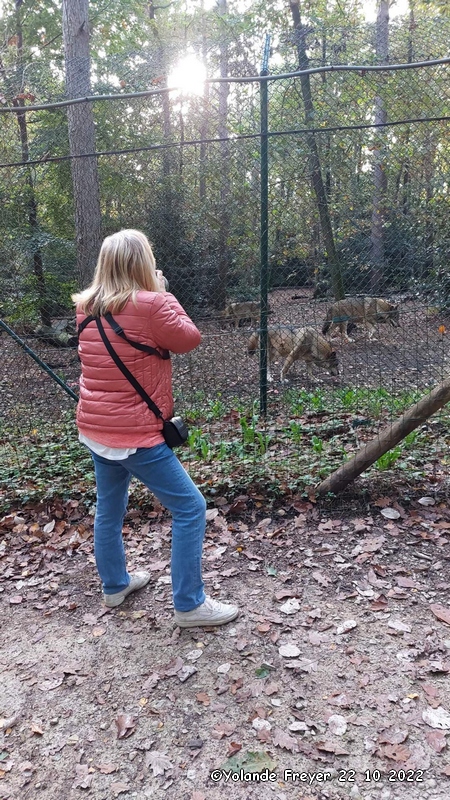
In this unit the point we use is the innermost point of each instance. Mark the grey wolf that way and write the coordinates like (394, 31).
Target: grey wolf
(294, 344)
(366, 310)
(237, 312)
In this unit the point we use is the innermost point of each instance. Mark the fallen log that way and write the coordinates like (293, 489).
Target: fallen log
(386, 440)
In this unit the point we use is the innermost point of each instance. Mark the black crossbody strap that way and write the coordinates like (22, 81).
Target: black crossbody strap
(125, 371)
(85, 322)
(145, 348)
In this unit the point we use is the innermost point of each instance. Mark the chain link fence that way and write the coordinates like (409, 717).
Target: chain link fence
(358, 197)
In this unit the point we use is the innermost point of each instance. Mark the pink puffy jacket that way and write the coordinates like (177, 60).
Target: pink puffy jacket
(110, 411)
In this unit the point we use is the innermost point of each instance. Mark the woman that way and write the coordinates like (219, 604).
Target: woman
(124, 436)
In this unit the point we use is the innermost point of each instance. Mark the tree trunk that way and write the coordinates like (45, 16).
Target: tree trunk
(377, 256)
(314, 159)
(387, 439)
(224, 205)
(31, 202)
(168, 154)
(429, 168)
(407, 164)
(82, 137)
(204, 124)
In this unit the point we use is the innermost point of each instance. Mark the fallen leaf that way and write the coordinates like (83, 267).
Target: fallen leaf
(282, 593)
(427, 501)
(150, 683)
(303, 664)
(436, 740)
(117, 787)
(437, 718)
(186, 671)
(393, 736)
(395, 752)
(390, 513)
(126, 725)
(83, 778)
(342, 700)
(51, 683)
(37, 728)
(173, 667)
(337, 725)
(289, 650)
(290, 607)
(222, 729)
(99, 630)
(8, 722)
(282, 739)
(405, 583)
(204, 698)
(372, 545)
(106, 769)
(158, 762)
(16, 599)
(441, 612)
(250, 762)
(90, 619)
(261, 724)
(346, 626)
(401, 627)
(321, 579)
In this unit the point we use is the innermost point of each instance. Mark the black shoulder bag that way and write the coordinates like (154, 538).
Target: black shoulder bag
(175, 431)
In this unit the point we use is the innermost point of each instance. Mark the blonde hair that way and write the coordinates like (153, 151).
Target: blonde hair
(125, 265)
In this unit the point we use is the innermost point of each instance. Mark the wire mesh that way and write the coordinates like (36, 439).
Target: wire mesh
(367, 155)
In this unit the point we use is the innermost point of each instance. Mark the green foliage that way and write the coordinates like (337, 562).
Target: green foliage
(50, 461)
(387, 460)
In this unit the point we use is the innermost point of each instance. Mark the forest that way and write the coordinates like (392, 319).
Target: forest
(351, 207)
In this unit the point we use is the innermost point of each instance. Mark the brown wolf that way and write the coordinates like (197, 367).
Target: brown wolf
(368, 310)
(236, 312)
(295, 344)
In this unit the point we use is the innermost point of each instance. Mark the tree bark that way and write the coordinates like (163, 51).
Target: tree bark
(314, 159)
(31, 201)
(81, 124)
(220, 294)
(377, 257)
(387, 439)
(429, 169)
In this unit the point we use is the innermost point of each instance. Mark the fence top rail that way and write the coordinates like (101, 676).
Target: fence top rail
(362, 69)
(218, 139)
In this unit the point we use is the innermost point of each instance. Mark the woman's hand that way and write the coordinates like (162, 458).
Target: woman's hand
(163, 283)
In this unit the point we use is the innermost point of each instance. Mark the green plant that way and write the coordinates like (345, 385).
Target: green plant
(199, 443)
(296, 431)
(387, 460)
(317, 444)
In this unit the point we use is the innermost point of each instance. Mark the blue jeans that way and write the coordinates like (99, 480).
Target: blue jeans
(159, 469)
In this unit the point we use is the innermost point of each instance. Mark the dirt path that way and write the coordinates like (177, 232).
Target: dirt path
(337, 668)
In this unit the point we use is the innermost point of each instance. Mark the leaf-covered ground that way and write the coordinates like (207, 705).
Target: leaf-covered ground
(336, 670)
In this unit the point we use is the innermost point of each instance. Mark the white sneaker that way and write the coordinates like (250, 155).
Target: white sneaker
(138, 581)
(211, 612)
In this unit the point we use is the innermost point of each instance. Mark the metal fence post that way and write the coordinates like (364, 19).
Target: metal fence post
(38, 360)
(264, 233)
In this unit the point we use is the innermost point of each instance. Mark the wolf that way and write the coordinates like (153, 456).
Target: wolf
(296, 344)
(236, 312)
(368, 310)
